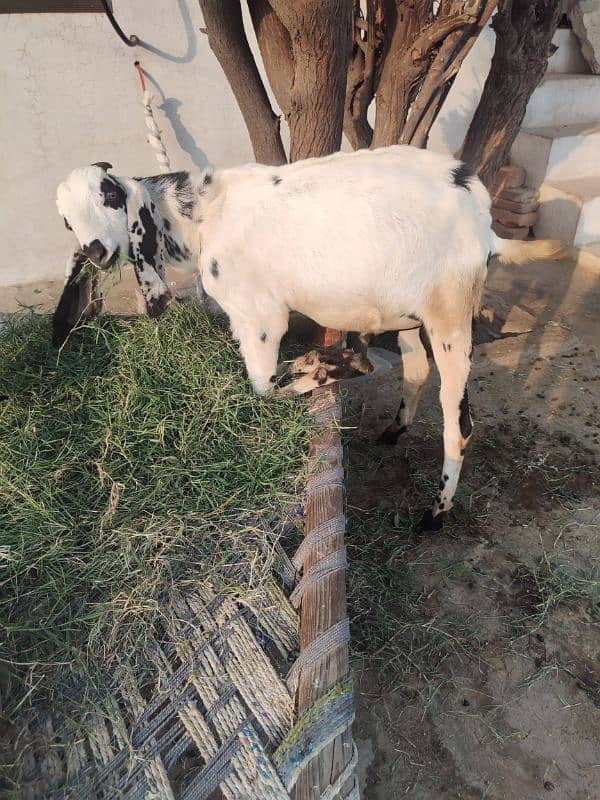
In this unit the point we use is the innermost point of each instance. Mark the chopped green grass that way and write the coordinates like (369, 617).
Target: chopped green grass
(135, 459)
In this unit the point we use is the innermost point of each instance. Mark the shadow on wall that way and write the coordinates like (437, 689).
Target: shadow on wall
(558, 218)
(192, 39)
(185, 140)
(170, 106)
(453, 125)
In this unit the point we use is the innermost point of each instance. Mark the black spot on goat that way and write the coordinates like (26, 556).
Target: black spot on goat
(114, 196)
(461, 176)
(464, 419)
(149, 242)
(174, 251)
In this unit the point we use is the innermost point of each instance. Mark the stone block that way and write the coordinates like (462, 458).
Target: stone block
(523, 194)
(509, 177)
(509, 233)
(512, 219)
(519, 208)
(585, 19)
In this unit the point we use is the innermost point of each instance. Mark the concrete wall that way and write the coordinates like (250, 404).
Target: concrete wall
(71, 97)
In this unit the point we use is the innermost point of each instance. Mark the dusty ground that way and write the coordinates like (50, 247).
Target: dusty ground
(477, 651)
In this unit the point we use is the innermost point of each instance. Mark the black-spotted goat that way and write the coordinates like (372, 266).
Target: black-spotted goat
(370, 241)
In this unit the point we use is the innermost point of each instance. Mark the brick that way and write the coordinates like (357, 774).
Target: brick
(509, 233)
(518, 208)
(509, 177)
(523, 194)
(513, 220)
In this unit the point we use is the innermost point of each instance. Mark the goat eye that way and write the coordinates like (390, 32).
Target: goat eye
(67, 226)
(111, 196)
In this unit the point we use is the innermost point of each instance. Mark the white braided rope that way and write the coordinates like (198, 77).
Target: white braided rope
(154, 139)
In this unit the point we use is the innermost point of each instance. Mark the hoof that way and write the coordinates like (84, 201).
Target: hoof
(390, 436)
(157, 306)
(432, 524)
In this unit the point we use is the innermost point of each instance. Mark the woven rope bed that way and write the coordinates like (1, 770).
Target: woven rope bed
(220, 721)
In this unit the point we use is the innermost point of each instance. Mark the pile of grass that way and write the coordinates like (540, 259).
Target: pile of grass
(131, 461)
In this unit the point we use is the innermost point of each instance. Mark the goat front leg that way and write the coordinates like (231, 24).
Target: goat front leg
(259, 345)
(415, 371)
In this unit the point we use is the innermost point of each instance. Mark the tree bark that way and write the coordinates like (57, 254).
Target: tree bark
(227, 39)
(524, 31)
(360, 85)
(276, 51)
(414, 37)
(440, 77)
(320, 32)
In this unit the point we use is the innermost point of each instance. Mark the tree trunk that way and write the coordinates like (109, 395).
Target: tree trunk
(227, 39)
(276, 50)
(305, 47)
(524, 31)
(321, 35)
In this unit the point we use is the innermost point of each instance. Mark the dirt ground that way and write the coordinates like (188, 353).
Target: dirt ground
(477, 650)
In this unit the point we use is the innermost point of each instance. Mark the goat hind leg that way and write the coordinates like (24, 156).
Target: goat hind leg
(451, 344)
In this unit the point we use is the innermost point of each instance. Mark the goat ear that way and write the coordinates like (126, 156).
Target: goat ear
(80, 300)
(103, 165)
(146, 237)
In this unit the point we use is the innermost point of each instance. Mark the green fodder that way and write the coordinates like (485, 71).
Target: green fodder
(134, 460)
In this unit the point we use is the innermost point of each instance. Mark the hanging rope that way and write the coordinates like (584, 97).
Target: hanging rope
(153, 130)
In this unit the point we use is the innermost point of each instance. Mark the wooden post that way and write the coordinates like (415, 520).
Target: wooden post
(323, 604)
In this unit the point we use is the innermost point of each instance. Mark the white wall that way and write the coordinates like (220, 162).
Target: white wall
(71, 97)
(449, 129)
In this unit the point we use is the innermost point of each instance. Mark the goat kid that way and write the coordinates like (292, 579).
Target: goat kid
(375, 240)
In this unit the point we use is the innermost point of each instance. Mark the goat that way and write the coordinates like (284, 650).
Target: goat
(370, 241)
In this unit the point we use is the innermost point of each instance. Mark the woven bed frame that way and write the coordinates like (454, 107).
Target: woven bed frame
(221, 722)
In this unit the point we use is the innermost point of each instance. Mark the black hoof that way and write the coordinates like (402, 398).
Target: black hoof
(429, 523)
(390, 437)
(157, 306)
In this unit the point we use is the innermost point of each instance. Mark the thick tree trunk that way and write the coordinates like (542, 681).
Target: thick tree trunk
(321, 36)
(227, 38)
(524, 31)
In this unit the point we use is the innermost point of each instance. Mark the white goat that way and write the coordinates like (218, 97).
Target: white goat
(370, 241)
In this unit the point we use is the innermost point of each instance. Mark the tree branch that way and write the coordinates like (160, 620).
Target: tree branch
(441, 74)
(409, 48)
(519, 62)
(227, 39)
(360, 87)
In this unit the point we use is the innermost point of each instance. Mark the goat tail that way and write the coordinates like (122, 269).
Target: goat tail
(510, 251)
